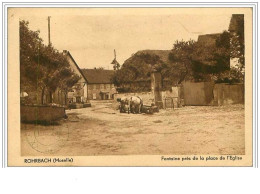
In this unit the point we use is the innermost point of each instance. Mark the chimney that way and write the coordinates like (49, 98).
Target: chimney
(64, 52)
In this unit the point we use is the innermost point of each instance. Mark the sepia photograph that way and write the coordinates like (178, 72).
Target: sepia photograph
(123, 82)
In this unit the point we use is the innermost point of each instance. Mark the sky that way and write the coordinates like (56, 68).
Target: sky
(91, 39)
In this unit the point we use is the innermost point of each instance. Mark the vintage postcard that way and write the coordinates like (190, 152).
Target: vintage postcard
(130, 86)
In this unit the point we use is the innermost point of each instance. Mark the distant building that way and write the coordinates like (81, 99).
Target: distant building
(99, 84)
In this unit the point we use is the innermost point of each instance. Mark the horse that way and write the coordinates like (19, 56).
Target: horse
(136, 104)
(124, 104)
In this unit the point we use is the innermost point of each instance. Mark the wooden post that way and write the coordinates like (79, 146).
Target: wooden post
(49, 30)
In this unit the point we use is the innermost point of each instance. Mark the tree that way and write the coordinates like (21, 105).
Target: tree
(137, 68)
(200, 62)
(42, 67)
(209, 61)
(181, 58)
(66, 80)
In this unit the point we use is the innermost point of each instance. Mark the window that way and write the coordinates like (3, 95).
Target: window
(94, 86)
(108, 86)
(101, 86)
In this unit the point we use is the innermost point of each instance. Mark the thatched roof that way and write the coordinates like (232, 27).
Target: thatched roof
(208, 39)
(162, 54)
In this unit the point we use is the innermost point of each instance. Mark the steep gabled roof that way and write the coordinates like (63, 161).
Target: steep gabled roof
(68, 54)
(98, 76)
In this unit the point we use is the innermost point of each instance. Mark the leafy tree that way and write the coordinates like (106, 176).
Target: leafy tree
(189, 60)
(181, 58)
(137, 68)
(65, 80)
(30, 43)
(42, 67)
(209, 61)
(199, 62)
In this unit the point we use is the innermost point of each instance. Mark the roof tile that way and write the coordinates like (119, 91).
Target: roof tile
(98, 76)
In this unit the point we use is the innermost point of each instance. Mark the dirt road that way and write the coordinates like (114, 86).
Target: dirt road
(102, 130)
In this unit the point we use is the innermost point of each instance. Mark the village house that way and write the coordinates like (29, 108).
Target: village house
(79, 92)
(99, 84)
(94, 84)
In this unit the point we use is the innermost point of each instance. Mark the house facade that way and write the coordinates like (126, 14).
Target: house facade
(78, 93)
(99, 84)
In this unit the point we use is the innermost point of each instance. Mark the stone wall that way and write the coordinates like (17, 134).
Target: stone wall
(225, 94)
(199, 93)
(195, 94)
(207, 93)
(41, 113)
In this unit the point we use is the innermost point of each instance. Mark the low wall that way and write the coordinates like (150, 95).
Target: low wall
(200, 93)
(31, 113)
(225, 94)
(79, 105)
(195, 94)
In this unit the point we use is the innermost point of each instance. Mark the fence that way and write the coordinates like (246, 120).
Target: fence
(171, 98)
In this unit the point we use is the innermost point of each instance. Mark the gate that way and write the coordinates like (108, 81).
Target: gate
(168, 102)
